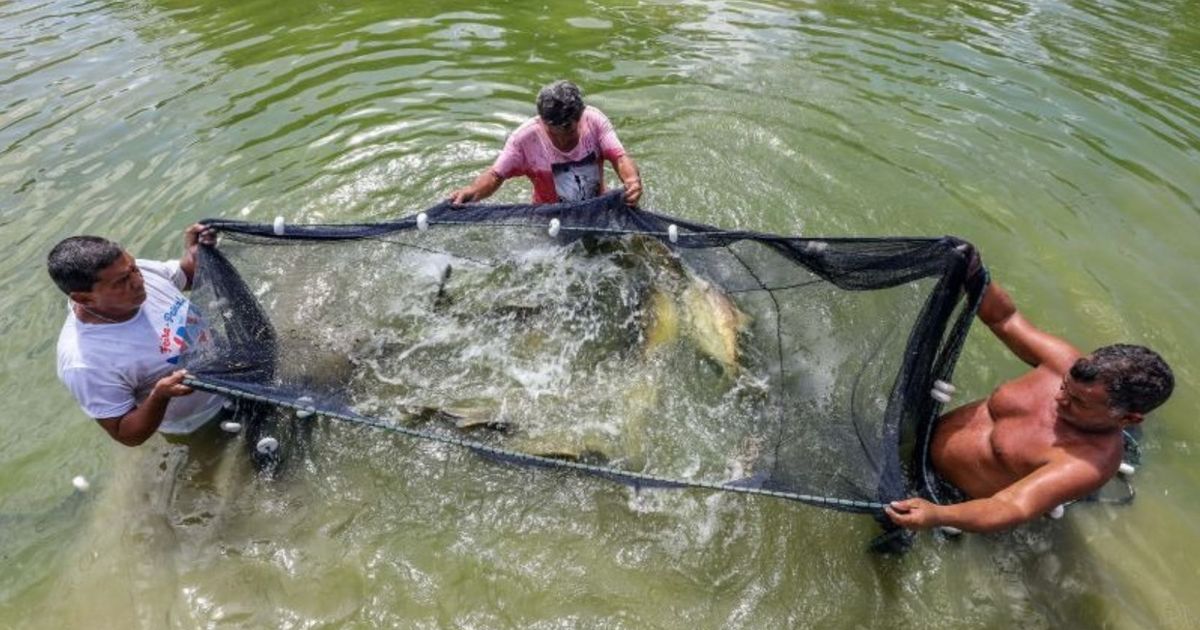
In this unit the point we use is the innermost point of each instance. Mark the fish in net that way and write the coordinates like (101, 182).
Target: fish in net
(593, 336)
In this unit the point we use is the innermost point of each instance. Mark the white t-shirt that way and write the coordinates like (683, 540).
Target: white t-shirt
(111, 368)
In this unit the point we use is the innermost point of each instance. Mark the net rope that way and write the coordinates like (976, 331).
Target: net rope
(634, 478)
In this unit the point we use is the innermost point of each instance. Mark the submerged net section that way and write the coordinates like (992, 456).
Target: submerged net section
(628, 344)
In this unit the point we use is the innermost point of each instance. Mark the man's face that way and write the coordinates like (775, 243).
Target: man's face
(1086, 406)
(118, 289)
(565, 137)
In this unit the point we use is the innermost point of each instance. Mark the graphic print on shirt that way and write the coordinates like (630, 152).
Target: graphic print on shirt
(578, 180)
(182, 327)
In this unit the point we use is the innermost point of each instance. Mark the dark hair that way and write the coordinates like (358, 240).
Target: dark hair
(1136, 378)
(560, 103)
(76, 262)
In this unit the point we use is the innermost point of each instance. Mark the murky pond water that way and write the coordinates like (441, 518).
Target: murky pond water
(1060, 137)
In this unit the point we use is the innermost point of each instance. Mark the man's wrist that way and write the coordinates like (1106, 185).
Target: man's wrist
(939, 516)
(157, 397)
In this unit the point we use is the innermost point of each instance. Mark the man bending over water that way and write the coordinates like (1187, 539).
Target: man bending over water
(1050, 436)
(562, 151)
(127, 322)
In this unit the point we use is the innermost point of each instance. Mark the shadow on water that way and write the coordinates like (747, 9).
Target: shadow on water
(17, 526)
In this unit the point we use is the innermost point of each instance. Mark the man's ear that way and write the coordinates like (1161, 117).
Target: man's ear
(1132, 418)
(81, 297)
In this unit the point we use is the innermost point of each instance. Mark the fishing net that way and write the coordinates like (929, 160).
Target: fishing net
(593, 336)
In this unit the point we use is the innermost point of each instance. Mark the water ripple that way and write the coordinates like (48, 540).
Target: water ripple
(1061, 137)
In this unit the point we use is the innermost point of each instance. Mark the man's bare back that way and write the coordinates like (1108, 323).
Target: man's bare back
(1049, 436)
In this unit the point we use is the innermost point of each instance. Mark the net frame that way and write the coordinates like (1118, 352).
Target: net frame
(848, 263)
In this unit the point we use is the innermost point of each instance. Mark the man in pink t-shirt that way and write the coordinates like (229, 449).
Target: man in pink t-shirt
(562, 151)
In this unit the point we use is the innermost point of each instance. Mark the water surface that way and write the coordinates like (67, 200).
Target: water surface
(1060, 137)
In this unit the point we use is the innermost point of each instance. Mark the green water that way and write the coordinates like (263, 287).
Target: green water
(1060, 137)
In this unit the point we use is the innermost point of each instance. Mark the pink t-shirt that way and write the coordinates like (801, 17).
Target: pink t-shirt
(561, 175)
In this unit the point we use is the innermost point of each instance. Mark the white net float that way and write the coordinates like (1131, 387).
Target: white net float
(308, 409)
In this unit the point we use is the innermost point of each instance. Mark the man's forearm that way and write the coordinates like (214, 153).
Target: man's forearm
(196, 235)
(627, 170)
(142, 421)
(980, 515)
(188, 265)
(997, 306)
(999, 312)
(1031, 345)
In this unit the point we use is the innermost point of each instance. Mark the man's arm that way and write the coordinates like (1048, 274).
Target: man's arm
(195, 235)
(1039, 492)
(627, 170)
(484, 185)
(1031, 345)
(142, 421)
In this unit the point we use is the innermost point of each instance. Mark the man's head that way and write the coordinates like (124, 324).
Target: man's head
(560, 106)
(97, 273)
(1115, 386)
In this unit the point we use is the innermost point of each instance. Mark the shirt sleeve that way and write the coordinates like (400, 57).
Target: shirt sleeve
(610, 146)
(511, 161)
(168, 269)
(101, 394)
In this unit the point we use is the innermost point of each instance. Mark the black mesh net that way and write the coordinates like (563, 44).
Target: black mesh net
(594, 336)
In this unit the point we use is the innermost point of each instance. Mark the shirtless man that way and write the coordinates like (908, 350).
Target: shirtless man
(1050, 436)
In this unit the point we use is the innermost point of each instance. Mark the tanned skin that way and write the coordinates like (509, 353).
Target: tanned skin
(116, 296)
(1038, 441)
(564, 139)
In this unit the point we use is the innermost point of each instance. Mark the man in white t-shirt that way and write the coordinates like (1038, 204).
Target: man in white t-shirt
(127, 323)
(562, 151)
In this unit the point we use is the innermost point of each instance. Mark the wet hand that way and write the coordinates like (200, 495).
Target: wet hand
(913, 513)
(975, 269)
(462, 195)
(633, 191)
(171, 385)
(198, 234)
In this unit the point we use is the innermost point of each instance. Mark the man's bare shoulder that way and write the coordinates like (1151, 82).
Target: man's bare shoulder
(1088, 460)
(1046, 373)
(526, 131)
(1055, 354)
(1025, 392)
